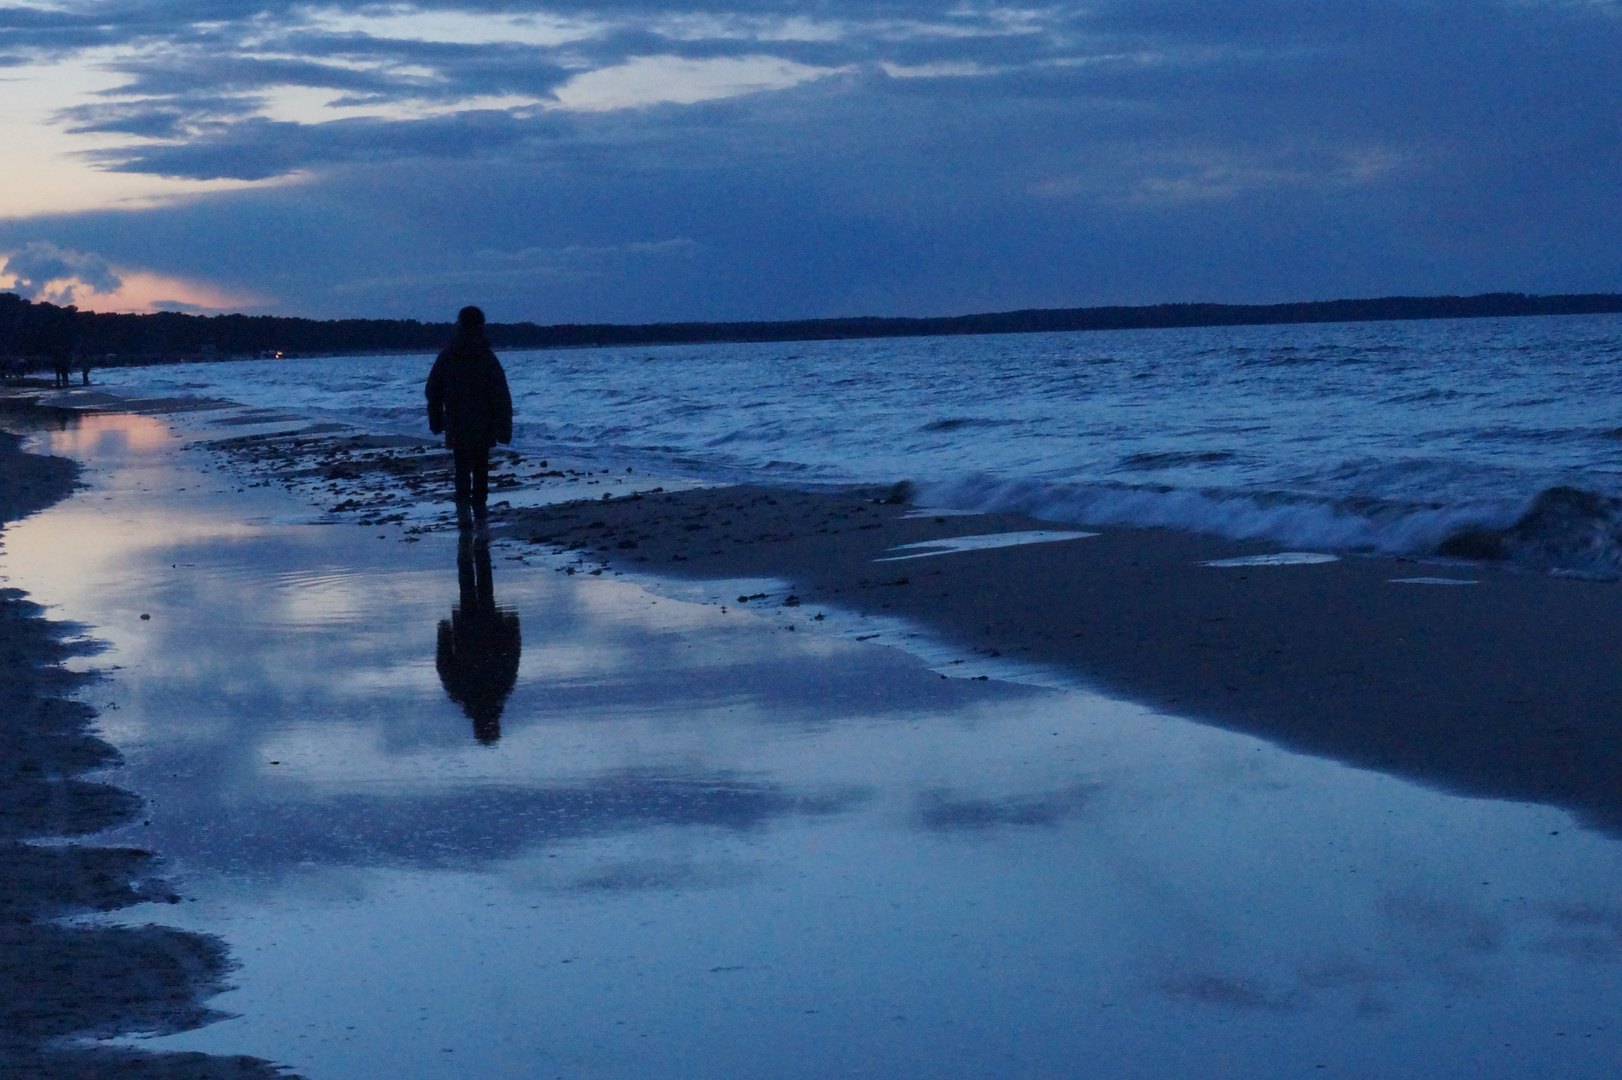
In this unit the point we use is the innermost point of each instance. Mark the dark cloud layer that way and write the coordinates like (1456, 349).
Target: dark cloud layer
(1121, 152)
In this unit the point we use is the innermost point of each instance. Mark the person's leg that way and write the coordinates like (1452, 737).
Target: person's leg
(462, 461)
(481, 480)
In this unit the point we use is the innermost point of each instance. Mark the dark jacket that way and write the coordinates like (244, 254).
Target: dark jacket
(468, 397)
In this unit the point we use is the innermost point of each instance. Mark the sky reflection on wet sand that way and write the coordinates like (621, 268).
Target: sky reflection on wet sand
(706, 846)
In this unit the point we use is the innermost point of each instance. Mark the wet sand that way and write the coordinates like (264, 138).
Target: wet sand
(1507, 688)
(60, 983)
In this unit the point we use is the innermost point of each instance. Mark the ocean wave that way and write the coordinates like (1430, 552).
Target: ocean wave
(1444, 439)
(1562, 529)
(957, 423)
(1565, 529)
(1286, 517)
(1175, 459)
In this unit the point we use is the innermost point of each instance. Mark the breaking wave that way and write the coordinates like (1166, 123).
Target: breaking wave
(1562, 529)
(1565, 529)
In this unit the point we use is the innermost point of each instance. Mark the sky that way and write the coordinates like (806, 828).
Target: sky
(621, 161)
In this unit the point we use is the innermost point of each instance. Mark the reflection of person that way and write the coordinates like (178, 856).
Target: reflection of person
(479, 645)
(469, 401)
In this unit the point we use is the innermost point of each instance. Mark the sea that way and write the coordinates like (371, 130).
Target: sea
(1490, 437)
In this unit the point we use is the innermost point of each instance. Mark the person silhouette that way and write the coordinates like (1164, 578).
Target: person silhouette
(479, 645)
(469, 401)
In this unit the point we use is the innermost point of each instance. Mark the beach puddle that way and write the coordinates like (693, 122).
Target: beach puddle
(982, 542)
(1280, 558)
(649, 838)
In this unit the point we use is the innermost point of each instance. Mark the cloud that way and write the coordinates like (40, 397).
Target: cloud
(888, 158)
(1230, 992)
(453, 828)
(1285, 991)
(485, 272)
(189, 80)
(43, 271)
(651, 80)
(944, 811)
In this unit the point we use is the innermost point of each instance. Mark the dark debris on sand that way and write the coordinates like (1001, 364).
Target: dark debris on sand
(370, 479)
(387, 479)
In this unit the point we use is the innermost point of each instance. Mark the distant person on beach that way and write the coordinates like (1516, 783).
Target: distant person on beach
(469, 401)
(84, 370)
(63, 364)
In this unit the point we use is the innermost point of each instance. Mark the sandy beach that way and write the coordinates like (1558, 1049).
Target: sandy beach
(774, 759)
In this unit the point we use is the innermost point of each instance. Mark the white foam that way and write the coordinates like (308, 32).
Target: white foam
(982, 542)
(1432, 581)
(1282, 518)
(939, 512)
(1278, 558)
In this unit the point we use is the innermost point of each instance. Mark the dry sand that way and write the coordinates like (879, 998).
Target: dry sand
(61, 984)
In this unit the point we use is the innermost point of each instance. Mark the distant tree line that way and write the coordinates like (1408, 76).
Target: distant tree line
(35, 333)
(40, 331)
(1048, 320)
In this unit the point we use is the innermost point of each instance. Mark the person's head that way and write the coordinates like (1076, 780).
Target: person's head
(470, 320)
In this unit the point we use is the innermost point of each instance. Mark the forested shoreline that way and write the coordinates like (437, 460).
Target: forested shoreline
(34, 334)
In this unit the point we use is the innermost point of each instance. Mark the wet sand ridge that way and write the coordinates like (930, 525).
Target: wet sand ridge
(1506, 688)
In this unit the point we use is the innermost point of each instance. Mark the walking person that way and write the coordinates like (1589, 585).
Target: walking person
(469, 401)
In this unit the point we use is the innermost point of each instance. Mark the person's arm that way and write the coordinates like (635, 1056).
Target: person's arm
(502, 405)
(436, 395)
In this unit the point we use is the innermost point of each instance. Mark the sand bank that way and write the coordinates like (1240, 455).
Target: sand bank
(62, 983)
(1506, 687)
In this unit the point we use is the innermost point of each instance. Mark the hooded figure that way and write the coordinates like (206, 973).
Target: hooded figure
(469, 401)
